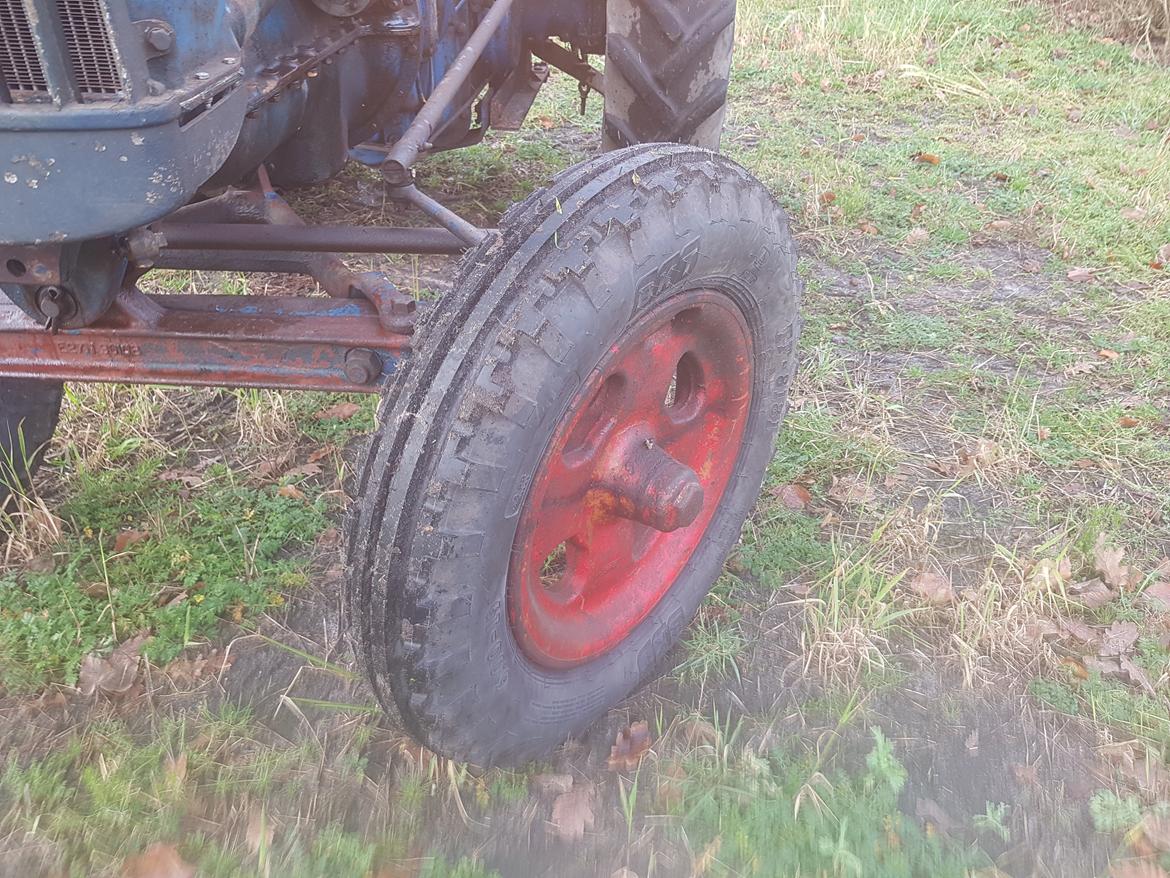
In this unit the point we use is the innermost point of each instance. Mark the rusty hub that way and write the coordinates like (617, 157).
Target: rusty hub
(631, 479)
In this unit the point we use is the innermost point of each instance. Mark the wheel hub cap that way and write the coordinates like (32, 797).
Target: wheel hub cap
(631, 478)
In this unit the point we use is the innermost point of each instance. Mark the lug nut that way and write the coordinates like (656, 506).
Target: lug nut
(362, 366)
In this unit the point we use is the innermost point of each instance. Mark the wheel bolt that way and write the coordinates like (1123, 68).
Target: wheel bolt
(362, 366)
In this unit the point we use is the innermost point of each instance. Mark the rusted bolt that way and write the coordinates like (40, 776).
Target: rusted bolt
(362, 366)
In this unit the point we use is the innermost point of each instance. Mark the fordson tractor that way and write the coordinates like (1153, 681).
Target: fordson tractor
(568, 442)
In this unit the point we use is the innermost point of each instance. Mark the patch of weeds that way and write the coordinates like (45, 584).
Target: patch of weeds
(1056, 694)
(713, 645)
(308, 408)
(1114, 813)
(780, 542)
(782, 816)
(192, 557)
(994, 820)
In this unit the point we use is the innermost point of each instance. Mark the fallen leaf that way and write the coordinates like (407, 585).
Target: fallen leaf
(1128, 421)
(1000, 177)
(867, 227)
(632, 743)
(1118, 639)
(917, 211)
(852, 489)
(926, 158)
(322, 452)
(795, 497)
(697, 731)
(1091, 593)
(1107, 562)
(1074, 114)
(1163, 255)
(1133, 213)
(115, 674)
(1081, 275)
(827, 198)
(1050, 574)
(1000, 225)
(1107, 354)
(917, 235)
(1120, 667)
(292, 492)
(572, 813)
(128, 538)
(932, 587)
(158, 861)
(341, 411)
(1043, 434)
(1158, 594)
(1082, 367)
(671, 785)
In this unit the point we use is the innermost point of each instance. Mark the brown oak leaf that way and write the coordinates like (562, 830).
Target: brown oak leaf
(631, 745)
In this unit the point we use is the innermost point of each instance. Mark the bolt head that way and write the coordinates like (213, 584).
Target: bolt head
(160, 39)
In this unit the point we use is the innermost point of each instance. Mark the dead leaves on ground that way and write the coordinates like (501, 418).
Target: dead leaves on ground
(933, 588)
(341, 411)
(631, 745)
(113, 675)
(573, 812)
(983, 455)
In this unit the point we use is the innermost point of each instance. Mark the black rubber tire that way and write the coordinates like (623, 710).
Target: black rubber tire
(28, 416)
(464, 428)
(667, 66)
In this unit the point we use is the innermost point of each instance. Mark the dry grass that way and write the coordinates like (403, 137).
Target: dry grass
(1145, 20)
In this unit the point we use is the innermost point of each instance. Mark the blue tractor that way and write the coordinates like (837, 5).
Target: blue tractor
(568, 442)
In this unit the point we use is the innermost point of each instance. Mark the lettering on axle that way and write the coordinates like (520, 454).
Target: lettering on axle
(124, 350)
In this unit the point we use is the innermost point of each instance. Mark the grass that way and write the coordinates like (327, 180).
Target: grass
(947, 163)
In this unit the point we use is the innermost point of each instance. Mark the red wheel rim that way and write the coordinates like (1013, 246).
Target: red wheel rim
(632, 477)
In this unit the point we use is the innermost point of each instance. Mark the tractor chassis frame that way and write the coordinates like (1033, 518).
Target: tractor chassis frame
(351, 341)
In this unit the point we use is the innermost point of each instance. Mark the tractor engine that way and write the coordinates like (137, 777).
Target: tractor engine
(115, 113)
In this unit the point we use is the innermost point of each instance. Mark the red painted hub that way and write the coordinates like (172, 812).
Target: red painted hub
(632, 477)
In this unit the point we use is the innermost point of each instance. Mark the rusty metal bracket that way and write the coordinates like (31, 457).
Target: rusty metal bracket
(235, 341)
(571, 63)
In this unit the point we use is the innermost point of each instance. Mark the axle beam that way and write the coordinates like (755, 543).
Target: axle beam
(234, 341)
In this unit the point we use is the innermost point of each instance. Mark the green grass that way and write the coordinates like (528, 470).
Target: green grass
(782, 816)
(225, 549)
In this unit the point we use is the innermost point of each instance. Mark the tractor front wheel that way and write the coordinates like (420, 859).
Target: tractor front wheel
(561, 472)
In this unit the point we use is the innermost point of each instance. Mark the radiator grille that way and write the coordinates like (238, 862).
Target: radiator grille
(20, 65)
(90, 48)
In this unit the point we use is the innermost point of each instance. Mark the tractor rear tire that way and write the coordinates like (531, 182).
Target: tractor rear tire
(29, 409)
(667, 66)
(641, 264)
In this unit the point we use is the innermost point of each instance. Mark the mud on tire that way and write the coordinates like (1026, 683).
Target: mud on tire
(461, 433)
(666, 71)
